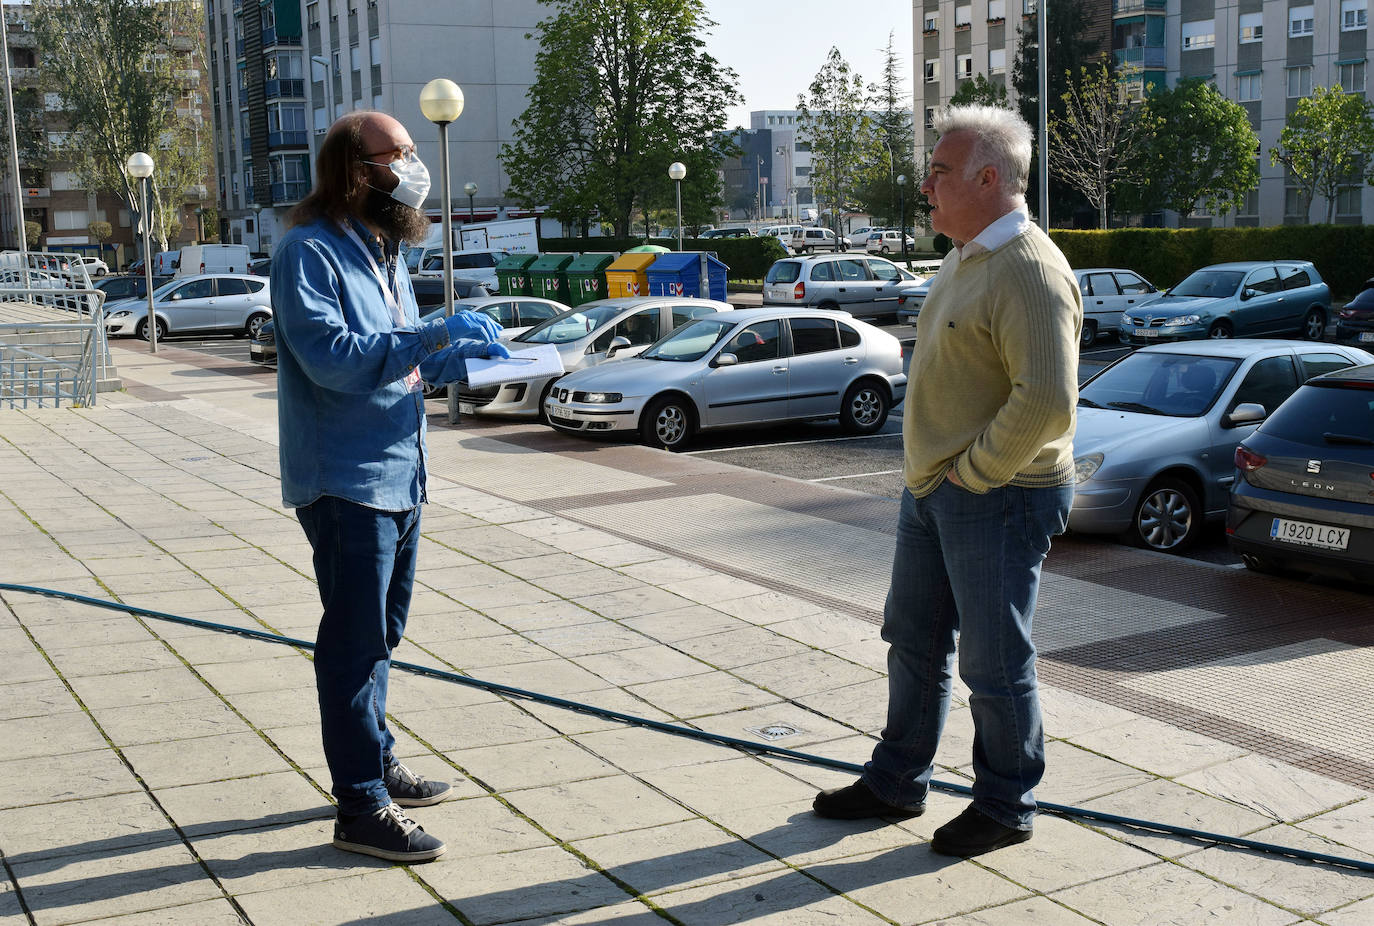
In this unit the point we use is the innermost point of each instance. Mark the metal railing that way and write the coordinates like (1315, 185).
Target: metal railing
(52, 331)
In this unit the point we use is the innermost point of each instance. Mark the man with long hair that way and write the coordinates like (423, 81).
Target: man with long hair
(352, 361)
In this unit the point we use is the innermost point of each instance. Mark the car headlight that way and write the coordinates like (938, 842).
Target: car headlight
(1085, 466)
(597, 398)
(1125, 319)
(124, 314)
(1182, 320)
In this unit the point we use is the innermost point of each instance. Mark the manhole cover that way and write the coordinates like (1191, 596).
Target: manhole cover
(775, 731)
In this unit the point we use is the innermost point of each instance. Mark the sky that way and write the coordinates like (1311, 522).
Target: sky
(777, 47)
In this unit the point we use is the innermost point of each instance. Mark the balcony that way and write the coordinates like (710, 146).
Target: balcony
(274, 89)
(287, 139)
(1140, 57)
(1124, 7)
(269, 36)
(247, 145)
(238, 47)
(290, 192)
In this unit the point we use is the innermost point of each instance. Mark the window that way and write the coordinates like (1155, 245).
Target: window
(997, 10)
(1317, 364)
(231, 286)
(1269, 382)
(932, 70)
(813, 335)
(757, 342)
(1294, 278)
(1251, 27)
(1348, 200)
(1132, 285)
(1249, 87)
(70, 218)
(1099, 284)
(884, 271)
(803, 171)
(1027, 7)
(803, 146)
(963, 15)
(997, 60)
(1353, 13)
(1352, 77)
(930, 117)
(963, 67)
(1294, 202)
(1299, 21)
(1299, 81)
(354, 59)
(931, 22)
(1199, 34)
(1251, 204)
(63, 180)
(849, 337)
(1264, 280)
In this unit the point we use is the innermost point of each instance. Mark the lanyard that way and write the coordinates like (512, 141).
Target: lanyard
(391, 295)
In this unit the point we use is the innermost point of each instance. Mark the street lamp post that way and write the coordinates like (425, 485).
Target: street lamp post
(784, 152)
(470, 188)
(678, 170)
(901, 216)
(140, 167)
(441, 101)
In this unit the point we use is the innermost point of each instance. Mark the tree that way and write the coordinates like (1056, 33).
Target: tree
(980, 91)
(832, 120)
(1203, 153)
(115, 65)
(1095, 145)
(622, 89)
(32, 231)
(1327, 144)
(877, 192)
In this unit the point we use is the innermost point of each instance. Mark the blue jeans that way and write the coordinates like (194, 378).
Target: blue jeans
(365, 564)
(967, 565)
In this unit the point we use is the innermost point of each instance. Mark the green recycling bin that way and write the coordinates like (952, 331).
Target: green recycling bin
(513, 275)
(549, 275)
(587, 278)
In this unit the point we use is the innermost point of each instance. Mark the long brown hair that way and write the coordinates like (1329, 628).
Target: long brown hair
(338, 177)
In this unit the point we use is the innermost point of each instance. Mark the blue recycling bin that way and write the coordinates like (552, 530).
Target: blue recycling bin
(679, 273)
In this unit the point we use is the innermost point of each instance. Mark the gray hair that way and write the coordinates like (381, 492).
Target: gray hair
(1002, 140)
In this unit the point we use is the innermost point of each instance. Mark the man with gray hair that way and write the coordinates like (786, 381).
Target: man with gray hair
(989, 480)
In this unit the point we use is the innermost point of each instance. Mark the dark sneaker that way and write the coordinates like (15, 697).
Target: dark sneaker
(411, 790)
(973, 833)
(857, 802)
(387, 833)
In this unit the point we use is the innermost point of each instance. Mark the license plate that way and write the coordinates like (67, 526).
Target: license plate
(1310, 535)
(558, 411)
(467, 408)
(1367, 335)
(1146, 333)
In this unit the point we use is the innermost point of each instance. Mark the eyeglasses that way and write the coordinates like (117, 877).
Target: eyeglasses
(401, 152)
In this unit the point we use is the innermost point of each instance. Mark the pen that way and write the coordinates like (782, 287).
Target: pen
(519, 359)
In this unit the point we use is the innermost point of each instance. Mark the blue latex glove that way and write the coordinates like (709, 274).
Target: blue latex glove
(468, 325)
(447, 366)
(497, 351)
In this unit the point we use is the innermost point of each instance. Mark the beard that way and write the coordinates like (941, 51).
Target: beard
(397, 221)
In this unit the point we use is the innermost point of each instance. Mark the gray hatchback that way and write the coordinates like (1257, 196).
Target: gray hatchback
(865, 287)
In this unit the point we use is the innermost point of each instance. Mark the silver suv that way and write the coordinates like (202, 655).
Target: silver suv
(808, 239)
(865, 287)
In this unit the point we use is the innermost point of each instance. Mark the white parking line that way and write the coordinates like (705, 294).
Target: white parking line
(795, 443)
(885, 472)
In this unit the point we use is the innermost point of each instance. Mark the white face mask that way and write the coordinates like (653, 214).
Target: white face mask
(412, 177)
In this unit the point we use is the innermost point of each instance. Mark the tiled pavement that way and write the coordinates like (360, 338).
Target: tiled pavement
(156, 773)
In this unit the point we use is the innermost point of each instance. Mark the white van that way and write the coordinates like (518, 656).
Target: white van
(165, 262)
(213, 258)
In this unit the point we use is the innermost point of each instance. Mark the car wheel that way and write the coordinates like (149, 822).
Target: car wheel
(1314, 325)
(1168, 517)
(1220, 331)
(544, 397)
(668, 423)
(864, 409)
(254, 324)
(142, 330)
(1089, 335)
(883, 249)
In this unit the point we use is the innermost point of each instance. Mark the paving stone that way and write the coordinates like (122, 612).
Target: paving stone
(82, 827)
(568, 721)
(1157, 747)
(1350, 825)
(455, 729)
(1038, 911)
(827, 630)
(73, 776)
(591, 581)
(243, 803)
(548, 564)
(784, 898)
(272, 857)
(557, 677)
(792, 832)
(630, 913)
(407, 691)
(708, 693)
(709, 589)
(684, 623)
(633, 602)
(531, 765)
(138, 656)
(1273, 788)
(637, 750)
(71, 635)
(1356, 914)
(862, 705)
(139, 689)
(666, 569)
(484, 652)
(812, 728)
(380, 896)
(675, 855)
(269, 674)
(1073, 775)
(284, 707)
(814, 670)
(1168, 894)
(768, 608)
(744, 646)
(1169, 802)
(652, 663)
(525, 617)
(204, 759)
(1063, 853)
(178, 720)
(50, 735)
(104, 884)
(521, 885)
(202, 913)
(598, 806)
(588, 639)
(479, 825)
(752, 784)
(36, 698)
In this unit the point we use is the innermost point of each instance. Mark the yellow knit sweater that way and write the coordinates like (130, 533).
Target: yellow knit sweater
(993, 383)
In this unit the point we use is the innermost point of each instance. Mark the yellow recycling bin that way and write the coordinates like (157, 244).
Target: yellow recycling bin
(628, 275)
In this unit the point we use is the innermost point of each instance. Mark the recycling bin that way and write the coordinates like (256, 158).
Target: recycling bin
(688, 273)
(587, 278)
(549, 276)
(513, 275)
(626, 274)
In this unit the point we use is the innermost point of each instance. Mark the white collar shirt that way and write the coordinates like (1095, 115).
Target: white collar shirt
(997, 234)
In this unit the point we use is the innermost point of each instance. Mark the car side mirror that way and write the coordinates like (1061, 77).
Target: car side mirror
(726, 360)
(175, 297)
(617, 344)
(1244, 413)
(1246, 293)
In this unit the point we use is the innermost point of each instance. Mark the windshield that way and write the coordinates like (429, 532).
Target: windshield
(690, 342)
(1175, 385)
(784, 271)
(572, 325)
(1212, 284)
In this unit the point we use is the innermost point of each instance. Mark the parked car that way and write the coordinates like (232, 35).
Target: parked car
(1246, 299)
(429, 291)
(127, 286)
(515, 314)
(1302, 498)
(478, 266)
(887, 242)
(807, 239)
(260, 266)
(262, 346)
(222, 303)
(94, 265)
(731, 231)
(1355, 320)
(1157, 431)
(862, 286)
(743, 368)
(592, 333)
(863, 231)
(1108, 292)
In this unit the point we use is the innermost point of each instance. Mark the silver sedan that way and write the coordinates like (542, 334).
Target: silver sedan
(744, 368)
(1158, 429)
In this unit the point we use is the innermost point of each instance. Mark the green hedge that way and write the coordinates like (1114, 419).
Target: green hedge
(1343, 254)
(747, 258)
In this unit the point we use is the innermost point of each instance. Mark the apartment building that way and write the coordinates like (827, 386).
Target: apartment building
(1264, 54)
(786, 163)
(52, 194)
(283, 70)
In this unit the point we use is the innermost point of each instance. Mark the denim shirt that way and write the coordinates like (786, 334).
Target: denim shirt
(349, 424)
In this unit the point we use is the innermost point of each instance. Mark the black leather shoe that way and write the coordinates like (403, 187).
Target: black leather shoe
(857, 802)
(973, 833)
